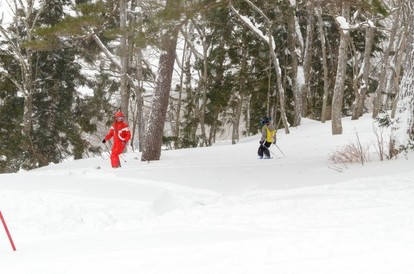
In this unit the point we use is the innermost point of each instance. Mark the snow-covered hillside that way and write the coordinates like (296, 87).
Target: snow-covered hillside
(216, 210)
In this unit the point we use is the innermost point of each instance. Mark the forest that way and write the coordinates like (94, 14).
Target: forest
(191, 73)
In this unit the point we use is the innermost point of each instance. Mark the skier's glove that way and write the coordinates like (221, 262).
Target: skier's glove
(261, 142)
(274, 142)
(104, 141)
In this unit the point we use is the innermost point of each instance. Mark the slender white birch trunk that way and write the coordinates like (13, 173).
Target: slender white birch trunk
(402, 133)
(337, 100)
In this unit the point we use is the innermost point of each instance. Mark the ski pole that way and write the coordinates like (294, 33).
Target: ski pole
(108, 151)
(265, 147)
(272, 152)
(7, 232)
(280, 150)
(122, 157)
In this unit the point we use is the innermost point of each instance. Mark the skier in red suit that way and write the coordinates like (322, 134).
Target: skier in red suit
(120, 131)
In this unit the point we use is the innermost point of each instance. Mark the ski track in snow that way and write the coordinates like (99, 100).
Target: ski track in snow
(215, 210)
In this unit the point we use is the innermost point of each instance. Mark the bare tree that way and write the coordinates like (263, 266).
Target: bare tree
(295, 53)
(25, 57)
(124, 56)
(396, 62)
(240, 94)
(341, 70)
(306, 94)
(202, 32)
(269, 39)
(398, 70)
(363, 75)
(403, 126)
(380, 91)
(324, 64)
(184, 64)
(156, 120)
(137, 61)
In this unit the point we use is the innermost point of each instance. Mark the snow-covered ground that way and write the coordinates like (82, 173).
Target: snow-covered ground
(216, 210)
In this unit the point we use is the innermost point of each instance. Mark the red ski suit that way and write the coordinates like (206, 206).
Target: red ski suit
(120, 131)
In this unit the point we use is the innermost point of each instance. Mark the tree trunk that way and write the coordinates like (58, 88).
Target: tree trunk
(240, 96)
(28, 95)
(337, 100)
(390, 89)
(124, 58)
(25, 59)
(360, 95)
(378, 99)
(203, 106)
(324, 64)
(398, 70)
(402, 133)
(185, 66)
(306, 94)
(136, 61)
(154, 133)
(139, 121)
(292, 45)
(280, 88)
(235, 136)
(271, 43)
(202, 100)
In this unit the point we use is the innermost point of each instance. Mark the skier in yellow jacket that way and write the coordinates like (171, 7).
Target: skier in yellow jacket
(268, 138)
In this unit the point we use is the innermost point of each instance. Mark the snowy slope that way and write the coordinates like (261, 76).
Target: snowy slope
(216, 210)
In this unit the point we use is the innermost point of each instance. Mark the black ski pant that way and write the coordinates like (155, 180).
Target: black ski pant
(264, 149)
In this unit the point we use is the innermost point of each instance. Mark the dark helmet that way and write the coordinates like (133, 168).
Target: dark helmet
(265, 120)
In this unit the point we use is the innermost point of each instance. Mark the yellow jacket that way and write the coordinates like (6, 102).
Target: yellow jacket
(268, 133)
